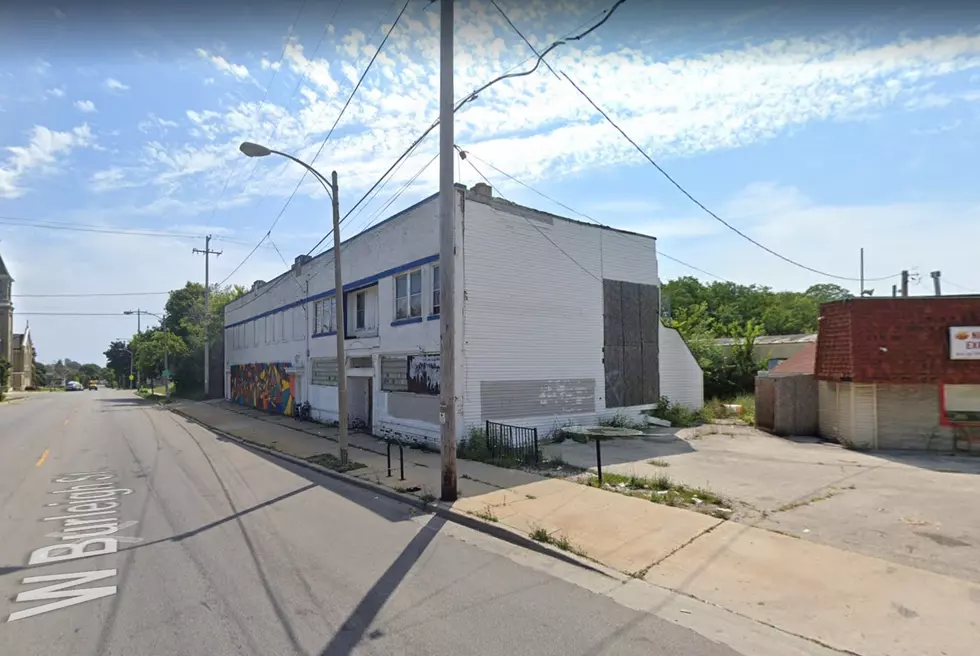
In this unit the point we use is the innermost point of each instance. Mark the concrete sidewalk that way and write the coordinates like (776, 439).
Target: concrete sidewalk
(850, 602)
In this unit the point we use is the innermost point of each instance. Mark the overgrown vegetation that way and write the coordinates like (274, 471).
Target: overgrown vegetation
(701, 313)
(5, 368)
(620, 420)
(661, 489)
(681, 416)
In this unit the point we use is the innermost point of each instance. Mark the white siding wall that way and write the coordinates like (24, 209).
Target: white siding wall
(270, 324)
(681, 379)
(534, 309)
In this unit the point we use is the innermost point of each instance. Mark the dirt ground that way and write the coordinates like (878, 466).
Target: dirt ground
(911, 508)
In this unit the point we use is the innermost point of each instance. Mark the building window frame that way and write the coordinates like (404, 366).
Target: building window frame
(436, 298)
(325, 316)
(408, 299)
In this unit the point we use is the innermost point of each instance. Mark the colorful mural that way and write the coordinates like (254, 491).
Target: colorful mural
(263, 385)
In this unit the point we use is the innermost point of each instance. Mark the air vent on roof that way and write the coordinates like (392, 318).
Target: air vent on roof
(302, 259)
(482, 189)
(257, 284)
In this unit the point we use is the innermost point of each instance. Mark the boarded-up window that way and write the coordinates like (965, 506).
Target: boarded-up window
(631, 315)
(324, 371)
(394, 373)
(361, 363)
(424, 374)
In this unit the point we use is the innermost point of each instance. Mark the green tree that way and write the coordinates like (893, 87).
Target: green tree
(5, 368)
(39, 377)
(827, 292)
(118, 362)
(153, 348)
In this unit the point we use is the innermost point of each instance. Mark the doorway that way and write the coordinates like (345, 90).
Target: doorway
(360, 403)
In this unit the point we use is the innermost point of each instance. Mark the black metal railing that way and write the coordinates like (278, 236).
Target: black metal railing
(513, 443)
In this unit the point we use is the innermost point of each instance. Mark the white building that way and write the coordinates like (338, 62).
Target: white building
(557, 323)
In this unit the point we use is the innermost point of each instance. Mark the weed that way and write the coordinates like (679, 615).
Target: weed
(660, 489)
(486, 514)
(657, 462)
(620, 420)
(806, 502)
(530, 496)
(562, 542)
(330, 461)
(426, 495)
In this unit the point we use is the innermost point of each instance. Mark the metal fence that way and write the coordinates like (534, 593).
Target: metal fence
(514, 443)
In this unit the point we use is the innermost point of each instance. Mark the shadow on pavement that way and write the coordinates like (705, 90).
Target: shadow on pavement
(352, 630)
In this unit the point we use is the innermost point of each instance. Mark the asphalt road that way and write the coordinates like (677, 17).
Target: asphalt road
(174, 541)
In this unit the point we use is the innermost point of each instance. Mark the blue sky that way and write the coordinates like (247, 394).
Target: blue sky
(816, 130)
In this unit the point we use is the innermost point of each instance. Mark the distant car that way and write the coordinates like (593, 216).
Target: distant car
(73, 386)
(93, 385)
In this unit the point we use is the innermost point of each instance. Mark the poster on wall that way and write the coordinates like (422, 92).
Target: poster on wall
(964, 343)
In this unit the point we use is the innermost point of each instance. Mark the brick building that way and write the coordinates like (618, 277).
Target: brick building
(899, 373)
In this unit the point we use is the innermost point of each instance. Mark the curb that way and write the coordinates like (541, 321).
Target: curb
(437, 507)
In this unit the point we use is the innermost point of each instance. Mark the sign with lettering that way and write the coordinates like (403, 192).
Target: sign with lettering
(964, 343)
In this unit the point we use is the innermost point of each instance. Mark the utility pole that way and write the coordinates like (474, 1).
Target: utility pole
(935, 282)
(905, 283)
(207, 252)
(861, 291)
(338, 302)
(894, 291)
(447, 263)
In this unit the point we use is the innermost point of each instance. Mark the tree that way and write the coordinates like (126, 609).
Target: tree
(5, 368)
(152, 349)
(89, 372)
(39, 377)
(827, 292)
(118, 361)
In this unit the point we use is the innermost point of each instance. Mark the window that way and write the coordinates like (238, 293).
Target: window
(408, 295)
(360, 311)
(436, 284)
(325, 316)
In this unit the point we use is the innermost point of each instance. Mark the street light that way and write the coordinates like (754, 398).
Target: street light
(166, 345)
(255, 150)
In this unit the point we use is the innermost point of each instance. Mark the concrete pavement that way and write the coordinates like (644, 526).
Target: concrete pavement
(853, 603)
(171, 541)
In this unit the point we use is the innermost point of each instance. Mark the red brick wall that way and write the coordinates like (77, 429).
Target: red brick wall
(913, 331)
(834, 342)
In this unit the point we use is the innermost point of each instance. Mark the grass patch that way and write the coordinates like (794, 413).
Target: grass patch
(620, 420)
(681, 416)
(657, 462)
(486, 514)
(426, 494)
(330, 461)
(477, 448)
(562, 542)
(661, 489)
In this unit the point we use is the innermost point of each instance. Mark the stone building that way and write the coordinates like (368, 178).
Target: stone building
(15, 348)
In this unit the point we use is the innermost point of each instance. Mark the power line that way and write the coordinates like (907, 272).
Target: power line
(579, 213)
(43, 224)
(325, 139)
(470, 97)
(71, 314)
(87, 295)
(947, 281)
(530, 223)
(702, 206)
(667, 175)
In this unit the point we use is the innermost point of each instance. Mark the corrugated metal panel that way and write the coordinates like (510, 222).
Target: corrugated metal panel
(323, 371)
(394, 373)
(516, 399)
(829, 411)
(908, 416)
(864, 415)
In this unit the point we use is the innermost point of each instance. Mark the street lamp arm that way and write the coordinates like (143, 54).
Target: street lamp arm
(319, 176)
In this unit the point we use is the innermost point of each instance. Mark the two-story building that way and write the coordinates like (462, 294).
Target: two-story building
(557, 322)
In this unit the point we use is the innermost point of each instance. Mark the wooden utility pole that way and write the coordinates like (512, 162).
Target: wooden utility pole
(338, 296)
(207, 252)
(935, 282)
(905, 283)
(447, 261)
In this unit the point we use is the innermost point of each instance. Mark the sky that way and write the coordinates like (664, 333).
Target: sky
(815, 130)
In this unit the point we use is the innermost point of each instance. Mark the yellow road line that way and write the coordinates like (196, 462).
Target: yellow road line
(44, 456)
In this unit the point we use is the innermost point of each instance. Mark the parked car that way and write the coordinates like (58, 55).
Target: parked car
(73, 386)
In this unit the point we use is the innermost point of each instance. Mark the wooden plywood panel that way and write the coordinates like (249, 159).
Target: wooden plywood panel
(612, 311)
(615, 379)
(633, 374)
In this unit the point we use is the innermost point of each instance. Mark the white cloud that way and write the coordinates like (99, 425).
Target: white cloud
(111, 179)
(39, 154)
(270, 66)
(237, 70)
(113, 84)
(86, 106)
(56, 92)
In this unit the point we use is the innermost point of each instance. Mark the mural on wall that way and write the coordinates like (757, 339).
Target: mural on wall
(263, 385)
